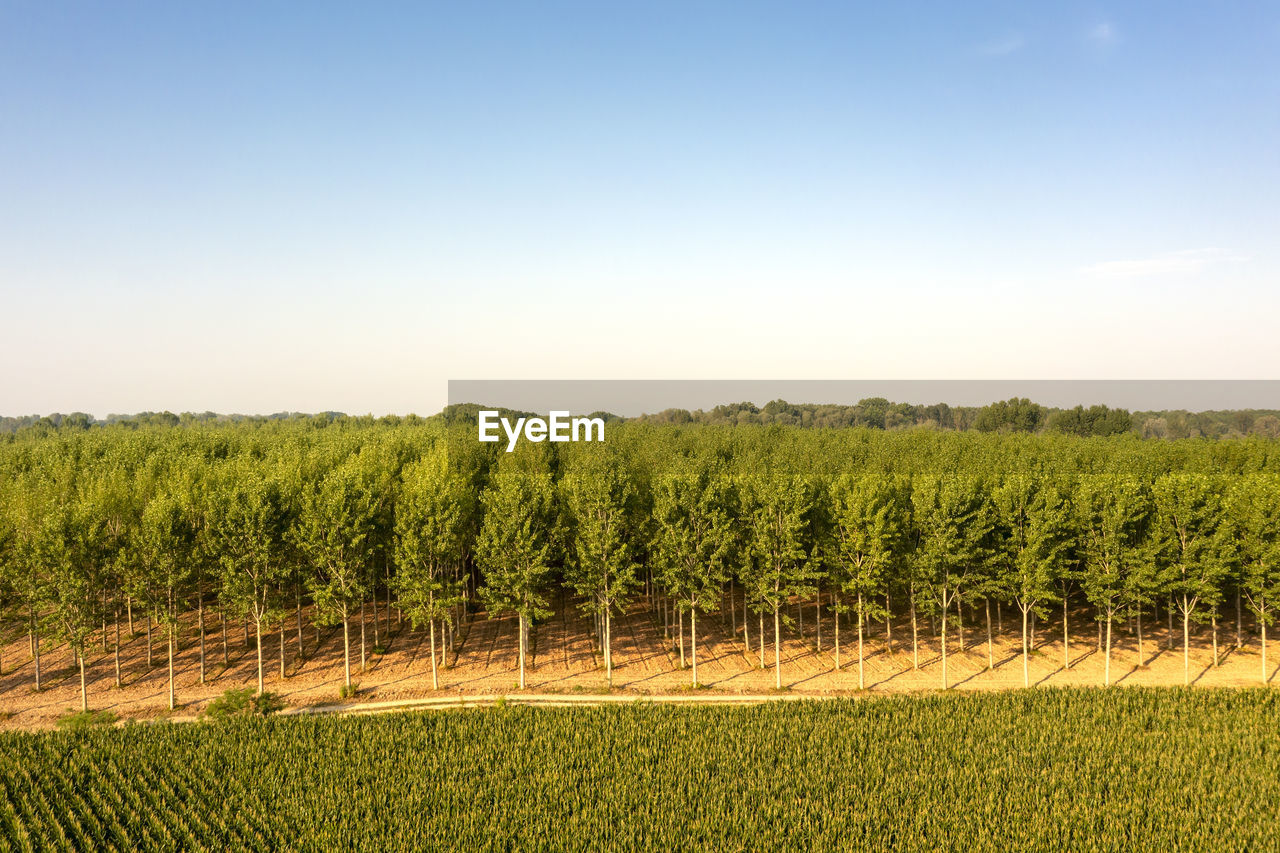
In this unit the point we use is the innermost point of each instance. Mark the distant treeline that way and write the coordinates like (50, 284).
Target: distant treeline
(1014, 415)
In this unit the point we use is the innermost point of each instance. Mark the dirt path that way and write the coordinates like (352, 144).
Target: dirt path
(564, 663)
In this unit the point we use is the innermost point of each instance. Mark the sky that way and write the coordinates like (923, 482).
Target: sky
(261, 207)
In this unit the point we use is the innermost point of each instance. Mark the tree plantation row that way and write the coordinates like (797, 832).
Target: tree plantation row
(250, 521)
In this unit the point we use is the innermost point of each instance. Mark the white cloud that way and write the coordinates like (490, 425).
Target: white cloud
(1011, 43)
(1104, 34)
(1185, 262)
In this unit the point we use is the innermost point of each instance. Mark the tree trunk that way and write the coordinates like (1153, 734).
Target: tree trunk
(1215, 639)
(680, 630)
(915, 633)
(84, 690)
(888, 625)
(376, 636)
(1026, 653)
(836, 607)
(777, 648)
(1239, 623)
(171, 640)
(999, 618)
(200, 617)
(362, 636)
(148, 639)
(522, 644)
(1066, 634)
(862, 684)
(608, 649)
(298, 611)
(1171, 623)
(1186, 645)
(117, 655)
(258, 635)
(35, 653)
(817, 621)
(1107, 667)
(282, 667)
(991, 656)
(128, 605)
(1141, 661)
(693, 641)
(346, 651)
(762, 635)
(943, 638)
(1262, 623)
(225, 659)
(435, 681)
(960, 622)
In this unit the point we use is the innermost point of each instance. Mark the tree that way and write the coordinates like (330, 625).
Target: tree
(429, 531)
(1034, 534)
(515, 546)
(1255, 508)
(694, 538)
(600, 499)
(248, 525)
(1195, 543)
(71, 594)
(1113, 514)
(953, 523)
(869, 522)
(778, 545)
(167, 545)
(333, 530)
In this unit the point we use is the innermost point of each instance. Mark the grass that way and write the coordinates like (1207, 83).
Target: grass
(242, 702)
(81, 720)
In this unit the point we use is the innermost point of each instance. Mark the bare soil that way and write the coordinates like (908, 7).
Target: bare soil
(564, 659)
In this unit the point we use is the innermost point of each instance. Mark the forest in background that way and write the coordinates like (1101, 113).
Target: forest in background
(1013, 415)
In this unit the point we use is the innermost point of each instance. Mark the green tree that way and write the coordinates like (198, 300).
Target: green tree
(1034, 524)
(1113, 512)
(869, 518)
(429, 535)
(779, 546)
(1194, 540)
(600, 497)
(333, 530)
(953, 522)
(248, 525)
(515, 546)
(1255, 507)
(694, 538)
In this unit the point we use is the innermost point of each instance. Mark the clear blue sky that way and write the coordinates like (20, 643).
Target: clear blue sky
(266, 206)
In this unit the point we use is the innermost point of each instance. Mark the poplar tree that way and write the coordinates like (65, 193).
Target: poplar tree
(1194, 542)
(953, 522)
(515, 546)
(779, 544)
(248, 527)
(1113, 513)
(1034, 520)
(1255, 509)
(333, 530)
(600, 497)
(429, 535)
(694, 538)
(869, 524)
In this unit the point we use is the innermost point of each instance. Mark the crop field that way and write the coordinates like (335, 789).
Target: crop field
(1077, 769)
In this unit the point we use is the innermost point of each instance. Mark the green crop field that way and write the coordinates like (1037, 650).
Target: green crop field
(1051, 769)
